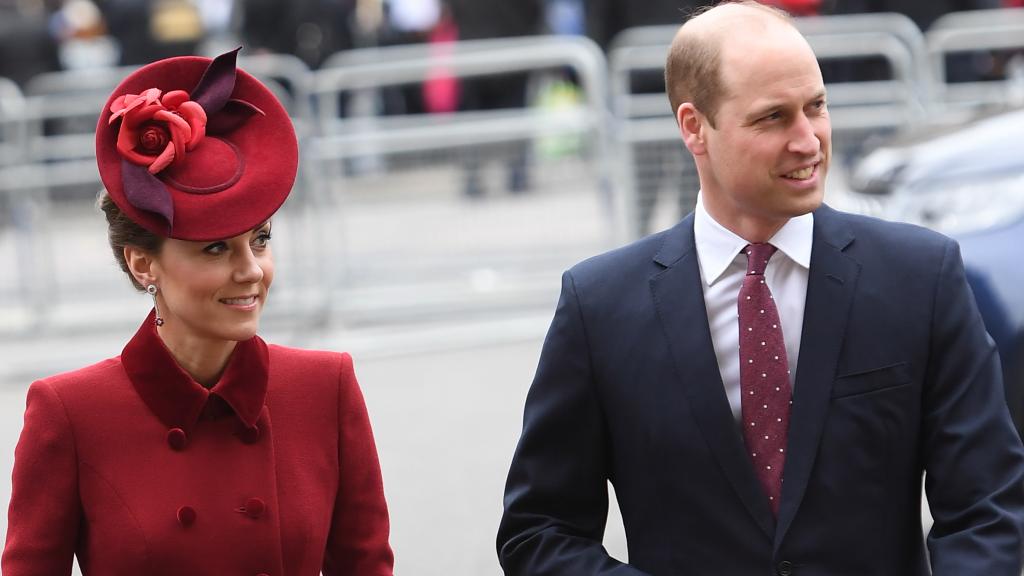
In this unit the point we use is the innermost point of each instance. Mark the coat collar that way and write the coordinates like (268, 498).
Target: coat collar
(178, 400)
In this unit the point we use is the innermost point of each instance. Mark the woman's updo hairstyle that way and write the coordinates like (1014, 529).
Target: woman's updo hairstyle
(122, 231)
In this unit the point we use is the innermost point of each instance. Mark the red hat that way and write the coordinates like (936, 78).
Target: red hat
(195, 149)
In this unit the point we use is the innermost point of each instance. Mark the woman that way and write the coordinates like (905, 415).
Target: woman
(200, 449)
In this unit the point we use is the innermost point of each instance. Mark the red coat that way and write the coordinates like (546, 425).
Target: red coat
(137, 469)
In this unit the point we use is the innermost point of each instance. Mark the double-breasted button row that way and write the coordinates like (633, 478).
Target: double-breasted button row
(178, 440)
(254, 508)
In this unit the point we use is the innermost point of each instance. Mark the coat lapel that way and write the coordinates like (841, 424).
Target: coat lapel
(678, 299)
(830, 289)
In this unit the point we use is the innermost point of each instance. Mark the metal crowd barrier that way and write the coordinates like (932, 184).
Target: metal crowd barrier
(980, 32)
(380, 228)
(465, 209)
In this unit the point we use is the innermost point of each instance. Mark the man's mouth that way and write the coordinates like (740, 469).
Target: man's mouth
(801, 174)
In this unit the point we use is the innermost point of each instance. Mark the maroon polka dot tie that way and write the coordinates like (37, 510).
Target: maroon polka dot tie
(764, 375)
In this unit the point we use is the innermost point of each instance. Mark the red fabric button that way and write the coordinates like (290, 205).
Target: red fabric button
(177, 439)
(254, 507)
(186, 516)
(263, 574)
(250, 435)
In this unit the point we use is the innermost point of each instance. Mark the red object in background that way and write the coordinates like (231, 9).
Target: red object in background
(799, 7)
(1013, 3)
(441, 89)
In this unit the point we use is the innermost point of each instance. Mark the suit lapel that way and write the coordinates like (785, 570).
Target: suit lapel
(830, 289)
(678, 299)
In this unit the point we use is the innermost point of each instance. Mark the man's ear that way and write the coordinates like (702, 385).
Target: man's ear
(692, 127)
(140, 264)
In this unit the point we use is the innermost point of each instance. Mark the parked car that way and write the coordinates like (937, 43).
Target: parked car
(966, 181)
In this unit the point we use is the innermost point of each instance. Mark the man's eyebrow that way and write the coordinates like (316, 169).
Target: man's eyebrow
(820, 95)
(763, 110)
(768, 107)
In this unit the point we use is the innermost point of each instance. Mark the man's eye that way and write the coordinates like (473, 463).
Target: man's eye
(772, 116)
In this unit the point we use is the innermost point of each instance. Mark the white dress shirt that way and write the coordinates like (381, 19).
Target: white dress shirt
(722, 268)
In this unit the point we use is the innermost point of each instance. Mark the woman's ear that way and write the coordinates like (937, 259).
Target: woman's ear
(140, 264)
(692, 128)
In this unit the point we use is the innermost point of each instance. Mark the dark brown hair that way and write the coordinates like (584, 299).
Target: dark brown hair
(123, 231)
(693, 67)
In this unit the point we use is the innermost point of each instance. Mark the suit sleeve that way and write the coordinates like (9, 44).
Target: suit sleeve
(45, 511)
(973, 457)
(358, 541)
(556, 496)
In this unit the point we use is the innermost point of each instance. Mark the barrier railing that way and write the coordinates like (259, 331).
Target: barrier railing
(383, 224)
(978, 31)
(417, 198)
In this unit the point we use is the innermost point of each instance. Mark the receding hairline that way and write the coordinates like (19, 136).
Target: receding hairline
(707, 27)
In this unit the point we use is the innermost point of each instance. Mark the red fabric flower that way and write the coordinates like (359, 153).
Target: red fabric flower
(157, 130)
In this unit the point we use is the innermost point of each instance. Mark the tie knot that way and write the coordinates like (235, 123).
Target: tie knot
(758, 255)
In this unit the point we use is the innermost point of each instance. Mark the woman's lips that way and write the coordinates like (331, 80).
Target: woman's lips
(240, 302)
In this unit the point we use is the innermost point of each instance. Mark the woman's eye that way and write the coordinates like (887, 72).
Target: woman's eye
(262, 239)
(215, 248)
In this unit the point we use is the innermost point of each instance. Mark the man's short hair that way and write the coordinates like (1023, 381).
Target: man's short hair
(693, 67)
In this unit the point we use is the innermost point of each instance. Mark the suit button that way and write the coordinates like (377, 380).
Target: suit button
(254, 508)
(263, 574)
(177, 439)
(785, 568)
(250, 435)
(186, 516)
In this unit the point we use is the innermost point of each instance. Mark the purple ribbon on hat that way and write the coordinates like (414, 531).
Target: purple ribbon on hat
(144, 190)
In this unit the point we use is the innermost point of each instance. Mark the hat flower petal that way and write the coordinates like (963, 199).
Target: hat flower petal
(157, 131)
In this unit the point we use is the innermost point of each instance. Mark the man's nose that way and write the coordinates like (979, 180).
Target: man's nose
(803, 140)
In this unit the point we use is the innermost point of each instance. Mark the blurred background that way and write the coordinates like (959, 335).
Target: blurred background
(456, 156)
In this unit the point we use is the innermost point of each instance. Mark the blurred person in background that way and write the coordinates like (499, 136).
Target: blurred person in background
(309, 29)
(767, 383)
(476, 20)
(200, 449)
(26, 46)
(409, 22)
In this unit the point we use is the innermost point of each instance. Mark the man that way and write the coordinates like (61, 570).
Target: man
(765, 418)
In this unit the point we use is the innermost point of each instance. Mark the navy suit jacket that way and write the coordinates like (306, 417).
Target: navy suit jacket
(896, 379)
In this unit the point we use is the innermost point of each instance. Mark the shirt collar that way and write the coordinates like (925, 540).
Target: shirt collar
(717, 246)
(178, 400)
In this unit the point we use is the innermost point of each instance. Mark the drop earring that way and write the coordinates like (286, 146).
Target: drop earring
(152, 289)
